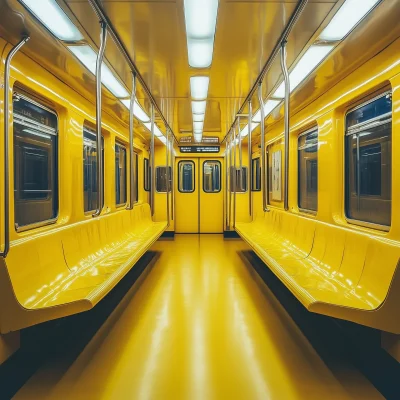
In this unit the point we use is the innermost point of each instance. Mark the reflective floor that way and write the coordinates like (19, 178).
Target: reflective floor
(199, 325)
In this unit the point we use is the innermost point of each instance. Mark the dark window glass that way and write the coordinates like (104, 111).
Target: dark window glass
(120, 174)
(186, 171)
(136, 176)
(308, 170)
(35, 163)
(211, 176)
(241, 179)
(147, 175)
(369, 162)
(161, 179)
(90, 169)
(256, 175)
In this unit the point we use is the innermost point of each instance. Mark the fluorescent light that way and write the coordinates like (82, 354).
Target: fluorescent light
(162, 139)
(54, 18)
(198, 125)
(311, 58)
(200, 19)
(268, 107)
(87, 56)
(199, 107)
(157, 131)
(348, 16)
(200, 52)
(198, 137)
(137, 110)
(198, 117)
(245, 131)
(199, 87)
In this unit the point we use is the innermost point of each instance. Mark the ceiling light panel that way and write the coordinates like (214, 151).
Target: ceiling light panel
(199, 87)
(198, 117)
(347, 17)
(268, 107)
(87, 56)
(311, 58)
(137, 110)
(200, 19)
(198, 137)
(51, 15)
(199, 107)
(198, 125)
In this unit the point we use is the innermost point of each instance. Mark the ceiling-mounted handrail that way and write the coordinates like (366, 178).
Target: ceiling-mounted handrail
(286, 122)
(98, 8)
(264, 185)
(285, 34)
(99, 152)
(9, 58)
(132, 167)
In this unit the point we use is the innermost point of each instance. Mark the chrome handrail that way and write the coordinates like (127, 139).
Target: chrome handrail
(131, 152)
(249, 172)
(226, 184)
(240, 155)
(286, 121)
(301, 5)
(264, 186)
(9, 58)
(152, 172)
(99, 152)
(172, 178)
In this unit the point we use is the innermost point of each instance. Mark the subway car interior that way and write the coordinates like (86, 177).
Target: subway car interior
(237, 236)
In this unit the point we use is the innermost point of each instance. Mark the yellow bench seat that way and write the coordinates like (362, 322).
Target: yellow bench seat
(331, 270)
(72, 268)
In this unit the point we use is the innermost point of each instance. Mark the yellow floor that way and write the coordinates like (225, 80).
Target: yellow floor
(200, 325)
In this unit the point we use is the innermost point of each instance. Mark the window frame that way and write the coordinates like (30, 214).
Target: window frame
(146, 170)
(361, 125)
(305, 133)
(245, 174)
(91, 131)
(31, 99)
(194, 175)
(124, 146)
(252, 173)
(220, 176)
(170, 176)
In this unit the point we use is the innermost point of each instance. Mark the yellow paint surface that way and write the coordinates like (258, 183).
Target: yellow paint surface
(200, 325)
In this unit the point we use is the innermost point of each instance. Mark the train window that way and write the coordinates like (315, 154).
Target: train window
(136, 176)
(161, 179)
(35, 162)
(241, 180)
(146, 175)
(211, 176)
(186, 171)
(369, 162)
(120, 174)
(308, 170)
(256, 175)
(90, 168)
(274, 155)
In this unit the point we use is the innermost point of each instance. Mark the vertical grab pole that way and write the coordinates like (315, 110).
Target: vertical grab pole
(286, 120)
(132, 195)
(264, 186)
(168, 175)
(99, 150)
(234, 178)
(249, 150)
(9, 58)
(152, 174)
